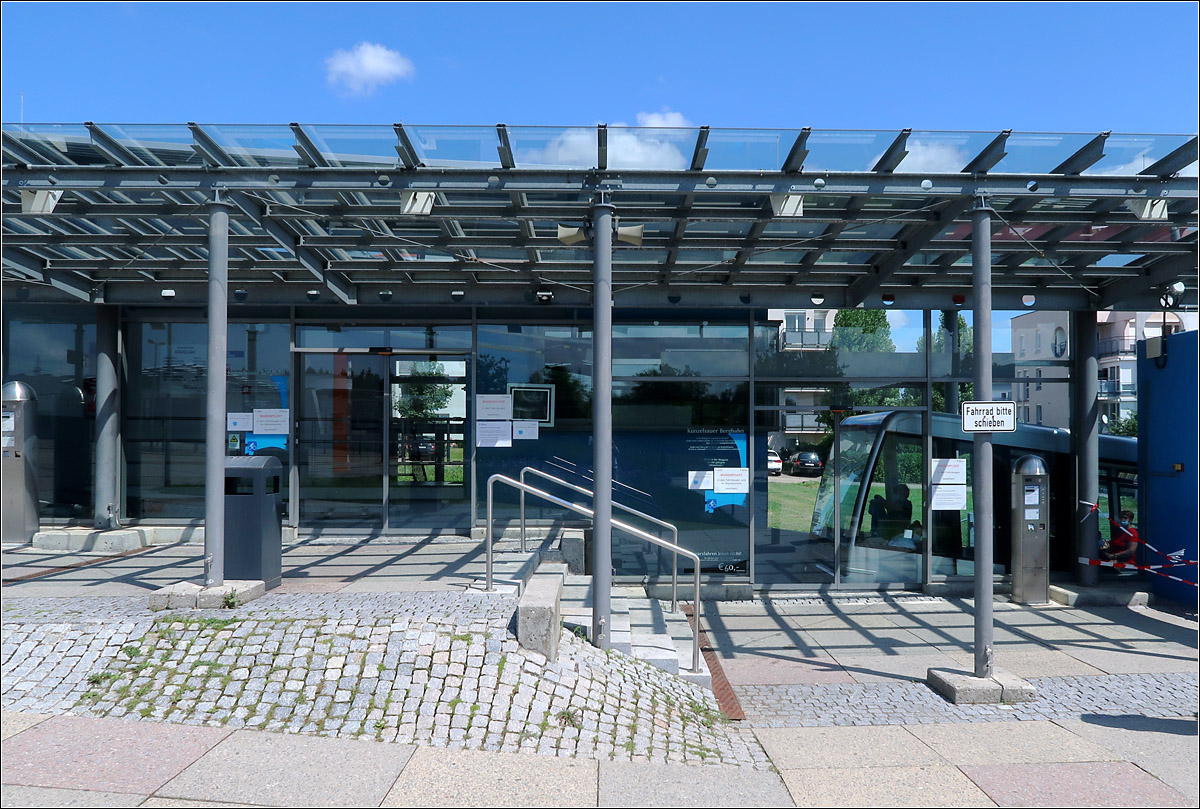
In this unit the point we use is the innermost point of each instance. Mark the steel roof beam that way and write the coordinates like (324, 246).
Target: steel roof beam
(507, 161)
(405, 149)
(309, 152)
(910, 241)
(991, 154)
(700, 153)
(1154, 274)
(602, 146)
(794, 161)
(38, 269)
(1085, 158)
(284, 238)
(894, 155)
(111, 148)
(208, 149)
(1172, 163)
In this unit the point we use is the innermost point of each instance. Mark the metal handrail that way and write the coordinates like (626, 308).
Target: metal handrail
(627, 510)
(587, 512)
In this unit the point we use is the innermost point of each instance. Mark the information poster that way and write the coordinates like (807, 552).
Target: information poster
(947, 497)
(700, 480)
(271, 421)
(493, 433)
(948, 470)
(731, 480)
(493, 407)
(240, 422)
(524, 430)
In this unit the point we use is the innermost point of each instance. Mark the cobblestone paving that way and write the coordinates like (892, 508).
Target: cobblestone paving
(913, 703)
(433, 668)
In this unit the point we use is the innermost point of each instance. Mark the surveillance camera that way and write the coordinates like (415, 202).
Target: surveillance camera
(544, 295)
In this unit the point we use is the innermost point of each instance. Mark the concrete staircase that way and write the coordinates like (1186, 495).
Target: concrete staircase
(641, 627)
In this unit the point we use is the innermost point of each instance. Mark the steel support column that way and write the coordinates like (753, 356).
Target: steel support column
(214, 434)
(108, 419)
(1085, 440)
(981, 272)
(952, 340)
(602, 234)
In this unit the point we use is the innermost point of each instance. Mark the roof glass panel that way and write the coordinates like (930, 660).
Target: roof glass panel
(831, 150)
(552, 146)
(1040, 152)
(155, 144)
(651, 148)
(356, 145)
(54, 144)
(794, 229)
(749, 149)
(257, 145)
(455, 146)
(1131, 154)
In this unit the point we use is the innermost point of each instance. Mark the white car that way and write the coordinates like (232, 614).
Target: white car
(774, 463)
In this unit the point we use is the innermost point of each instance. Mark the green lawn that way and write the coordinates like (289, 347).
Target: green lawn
(790, 503)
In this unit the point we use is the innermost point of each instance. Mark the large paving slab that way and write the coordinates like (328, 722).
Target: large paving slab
(13, 722)
(1112, 783)
(105, 755)
(439, 777)
(894, 668)
(833, 747)
(644, 783)
(936, 785)
(1162, 746)
(749, 669)
(1038, 662)
(1111, 659)
(12, 795)
(1008, 743)
(290, 770)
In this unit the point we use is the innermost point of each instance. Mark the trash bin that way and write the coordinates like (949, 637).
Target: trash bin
(253, 525)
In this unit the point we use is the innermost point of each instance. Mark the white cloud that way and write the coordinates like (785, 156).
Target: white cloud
(666, 118)
(931, 157)
(627, 148)
(367, 66)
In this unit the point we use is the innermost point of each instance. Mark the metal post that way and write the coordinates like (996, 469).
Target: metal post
(108, 415)
(981, 271)
(214, 434)
(1085, 438)
(952, 338)
(602, 232)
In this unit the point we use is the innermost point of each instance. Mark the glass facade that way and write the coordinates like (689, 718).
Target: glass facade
(380, 427)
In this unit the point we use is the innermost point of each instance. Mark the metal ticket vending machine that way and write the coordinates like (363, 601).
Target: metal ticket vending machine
(20, 456)
(1031, 531)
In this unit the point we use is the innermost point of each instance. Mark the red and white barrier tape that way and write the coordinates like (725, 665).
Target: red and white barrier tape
(1155, 569)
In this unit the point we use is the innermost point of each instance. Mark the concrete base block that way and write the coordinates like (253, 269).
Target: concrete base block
(539, 616)
(964, 688)
(708, 592)
(1095, 597)
(186, 595)
(657, 650)
(179, 596)
(91, 540)
(572, 547)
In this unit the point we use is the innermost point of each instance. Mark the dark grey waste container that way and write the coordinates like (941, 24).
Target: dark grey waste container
(253, 529)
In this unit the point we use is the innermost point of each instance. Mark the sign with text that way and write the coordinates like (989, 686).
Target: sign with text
(948, 470)
(989, 417)
(947, 497)
(731, 480)
(493, 433)
(271, 420)
(493, 407)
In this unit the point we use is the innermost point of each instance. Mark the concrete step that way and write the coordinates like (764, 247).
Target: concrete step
(641, 627)
(577, 612)
(662, 635)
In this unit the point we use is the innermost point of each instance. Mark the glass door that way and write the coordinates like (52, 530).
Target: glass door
(428, 453)
(341, 440)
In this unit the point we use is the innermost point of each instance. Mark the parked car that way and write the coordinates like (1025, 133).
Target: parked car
(774, 463)
(805, 462)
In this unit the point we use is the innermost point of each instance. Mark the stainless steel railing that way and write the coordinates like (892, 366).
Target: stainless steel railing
(674, 531)
(590, 513)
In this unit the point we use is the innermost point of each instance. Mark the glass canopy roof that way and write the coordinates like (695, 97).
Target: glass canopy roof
(1088, 220)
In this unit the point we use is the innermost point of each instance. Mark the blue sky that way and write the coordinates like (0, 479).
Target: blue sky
(1043, 67)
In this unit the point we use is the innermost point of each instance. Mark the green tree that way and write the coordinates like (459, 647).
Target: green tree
(862, 330)
(1124, 426)
(424, 394)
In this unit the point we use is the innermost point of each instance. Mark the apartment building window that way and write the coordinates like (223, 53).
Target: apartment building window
(1038, 386)
(1025, 414)
(1039, 414)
